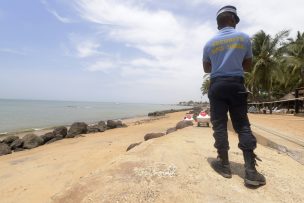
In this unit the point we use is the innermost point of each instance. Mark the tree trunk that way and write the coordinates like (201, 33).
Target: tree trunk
(269, 99)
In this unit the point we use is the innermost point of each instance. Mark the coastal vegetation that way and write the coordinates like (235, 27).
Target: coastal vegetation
(278, 66)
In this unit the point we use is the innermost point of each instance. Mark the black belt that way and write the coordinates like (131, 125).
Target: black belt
(237, 79)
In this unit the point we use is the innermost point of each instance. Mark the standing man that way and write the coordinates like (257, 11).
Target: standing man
(226, 56)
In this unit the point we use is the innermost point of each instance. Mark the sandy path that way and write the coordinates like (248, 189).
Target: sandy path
(174, 168)
(288, 124)
(37, 174)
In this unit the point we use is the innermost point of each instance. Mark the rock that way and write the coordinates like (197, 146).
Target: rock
(183, 124)
(157, 113)
(31, 141)
(16, 144)
(153, 135)
(161, 113)
(115, 124)
(133, 145)
(102, 126)
(77, 128)
(8, 140)
(119, 124)
(54, 139)
(111, 124)
(171, 130)
(59, 137)
(18, 149)
(93, 129)
(4, 149)
(61, 130)
(48, 136)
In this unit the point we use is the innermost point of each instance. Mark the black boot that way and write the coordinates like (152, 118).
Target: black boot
(252, 176)
(221, 165)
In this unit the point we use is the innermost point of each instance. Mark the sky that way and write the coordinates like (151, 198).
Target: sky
(138, 51)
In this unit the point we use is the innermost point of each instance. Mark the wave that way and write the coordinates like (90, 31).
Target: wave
(37, 129)
(3, 133)
(71, 106)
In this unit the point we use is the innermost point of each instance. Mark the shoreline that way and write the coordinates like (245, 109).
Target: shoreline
(127, 120)
(42, 130)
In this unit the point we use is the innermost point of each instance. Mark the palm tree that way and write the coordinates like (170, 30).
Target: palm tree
(251, 86)
(295, 51)
(267, 55)
(206, 84)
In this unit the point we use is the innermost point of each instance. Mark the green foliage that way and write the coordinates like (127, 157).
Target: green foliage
(206, 84)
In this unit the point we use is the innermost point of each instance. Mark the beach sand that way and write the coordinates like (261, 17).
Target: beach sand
(173, 168)
(287, 124)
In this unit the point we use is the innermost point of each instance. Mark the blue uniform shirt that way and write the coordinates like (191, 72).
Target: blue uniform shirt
(226, 52)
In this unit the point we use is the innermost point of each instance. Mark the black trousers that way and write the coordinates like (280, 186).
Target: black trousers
(228, 94)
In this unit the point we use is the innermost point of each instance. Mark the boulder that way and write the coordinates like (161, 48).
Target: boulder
(183, 124)
(17, 144)
(111, 124)
(4, 149)
(102, 126)
(61, 130)
(54, 139)
(119, 124)
(157, 113)
(153, 135)
(31, 141)
(77, 128)
(93, 129)
(8, 140)
(18, 149)
(47, 137)
(170, 130)
(133, 145)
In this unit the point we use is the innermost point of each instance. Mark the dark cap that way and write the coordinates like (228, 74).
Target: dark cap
(230, 9)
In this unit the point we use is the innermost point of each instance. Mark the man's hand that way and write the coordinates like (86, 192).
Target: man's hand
(207, 67)
(247, 63)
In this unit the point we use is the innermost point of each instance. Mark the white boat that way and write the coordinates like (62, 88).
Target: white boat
(203, 119)
(188, 117)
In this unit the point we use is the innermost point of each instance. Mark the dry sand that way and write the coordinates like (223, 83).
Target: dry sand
(287, 124)
(173, 168)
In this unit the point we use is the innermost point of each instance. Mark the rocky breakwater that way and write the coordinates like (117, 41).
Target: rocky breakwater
(153, 135)
(14, 143)
(163, 113)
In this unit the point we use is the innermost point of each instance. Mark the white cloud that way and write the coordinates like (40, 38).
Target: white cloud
(12, 51)
(172, 44)
(271, 16)
(55, 13)
(83, 46)
(159, 34)
(103, 66)
(60, 18)
(87, 48)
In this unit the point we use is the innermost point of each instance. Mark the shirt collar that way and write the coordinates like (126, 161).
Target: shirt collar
(226, 29)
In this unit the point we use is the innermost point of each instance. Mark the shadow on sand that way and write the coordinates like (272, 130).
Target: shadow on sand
(236, 169)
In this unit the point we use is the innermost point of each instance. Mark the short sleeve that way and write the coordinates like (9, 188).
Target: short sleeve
(248, 49)
(206, 57)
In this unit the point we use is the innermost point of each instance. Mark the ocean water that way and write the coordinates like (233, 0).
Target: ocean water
(22, 115)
